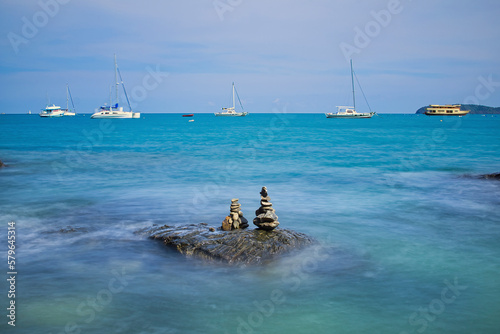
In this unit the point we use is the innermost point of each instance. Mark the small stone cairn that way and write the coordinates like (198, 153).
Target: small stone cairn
(266, 217)
(235, 220)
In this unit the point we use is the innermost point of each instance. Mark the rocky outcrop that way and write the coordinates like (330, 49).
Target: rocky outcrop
(494, 176)
(266, 216)
(2, 164)
(237, 246)
(68, 229)
(235, 220)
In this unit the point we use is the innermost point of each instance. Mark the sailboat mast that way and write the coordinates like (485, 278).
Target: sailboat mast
(110, 96)
(67, 97)
(352, 81)
(116, 80)
(71, 98)
(234, 105)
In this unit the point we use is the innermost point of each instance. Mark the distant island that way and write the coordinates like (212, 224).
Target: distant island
(474, 109)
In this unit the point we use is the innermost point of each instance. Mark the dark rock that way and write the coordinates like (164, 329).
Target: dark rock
(243, 222)
(494, 176)
(238, 246)
(266, 226)
(266, 217)
(2, 164)
(68, 229)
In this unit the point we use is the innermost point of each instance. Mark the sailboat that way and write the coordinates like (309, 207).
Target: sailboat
(57, 111)
(114, 110)
(67, 112)
(348, 111)
(232, 110)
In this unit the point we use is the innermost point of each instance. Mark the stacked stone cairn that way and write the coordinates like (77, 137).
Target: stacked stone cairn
(235, 220)
(266, 217)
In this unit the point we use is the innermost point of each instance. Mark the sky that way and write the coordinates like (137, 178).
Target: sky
(181, 56)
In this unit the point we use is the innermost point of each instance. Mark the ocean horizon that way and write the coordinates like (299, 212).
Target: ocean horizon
(407, 230)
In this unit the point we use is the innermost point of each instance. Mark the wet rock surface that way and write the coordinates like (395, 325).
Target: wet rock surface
(68, 229)
(2, 164)
(237, 246)
(494, 176)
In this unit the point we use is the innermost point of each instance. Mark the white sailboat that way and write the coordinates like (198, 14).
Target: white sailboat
(114, 110)
(57, 111)
(348, 111)
(67, 111)
(232, 110)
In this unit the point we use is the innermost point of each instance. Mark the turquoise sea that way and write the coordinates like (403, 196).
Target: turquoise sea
(409, 237)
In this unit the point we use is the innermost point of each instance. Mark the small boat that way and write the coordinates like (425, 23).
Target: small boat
(191, 120)
(52, 111)
(188, 115)
(350, 112)
(232, 110)
(57, 111)
(114, 110)
(445, 110)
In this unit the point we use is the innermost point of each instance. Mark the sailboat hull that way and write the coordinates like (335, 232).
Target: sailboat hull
(358, 115)
(118, 115)
(237, 114)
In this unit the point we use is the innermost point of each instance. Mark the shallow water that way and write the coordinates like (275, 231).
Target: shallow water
(408, 237)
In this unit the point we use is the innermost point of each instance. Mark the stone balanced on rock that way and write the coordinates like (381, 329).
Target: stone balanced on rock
(266, 217)
(235, 220)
